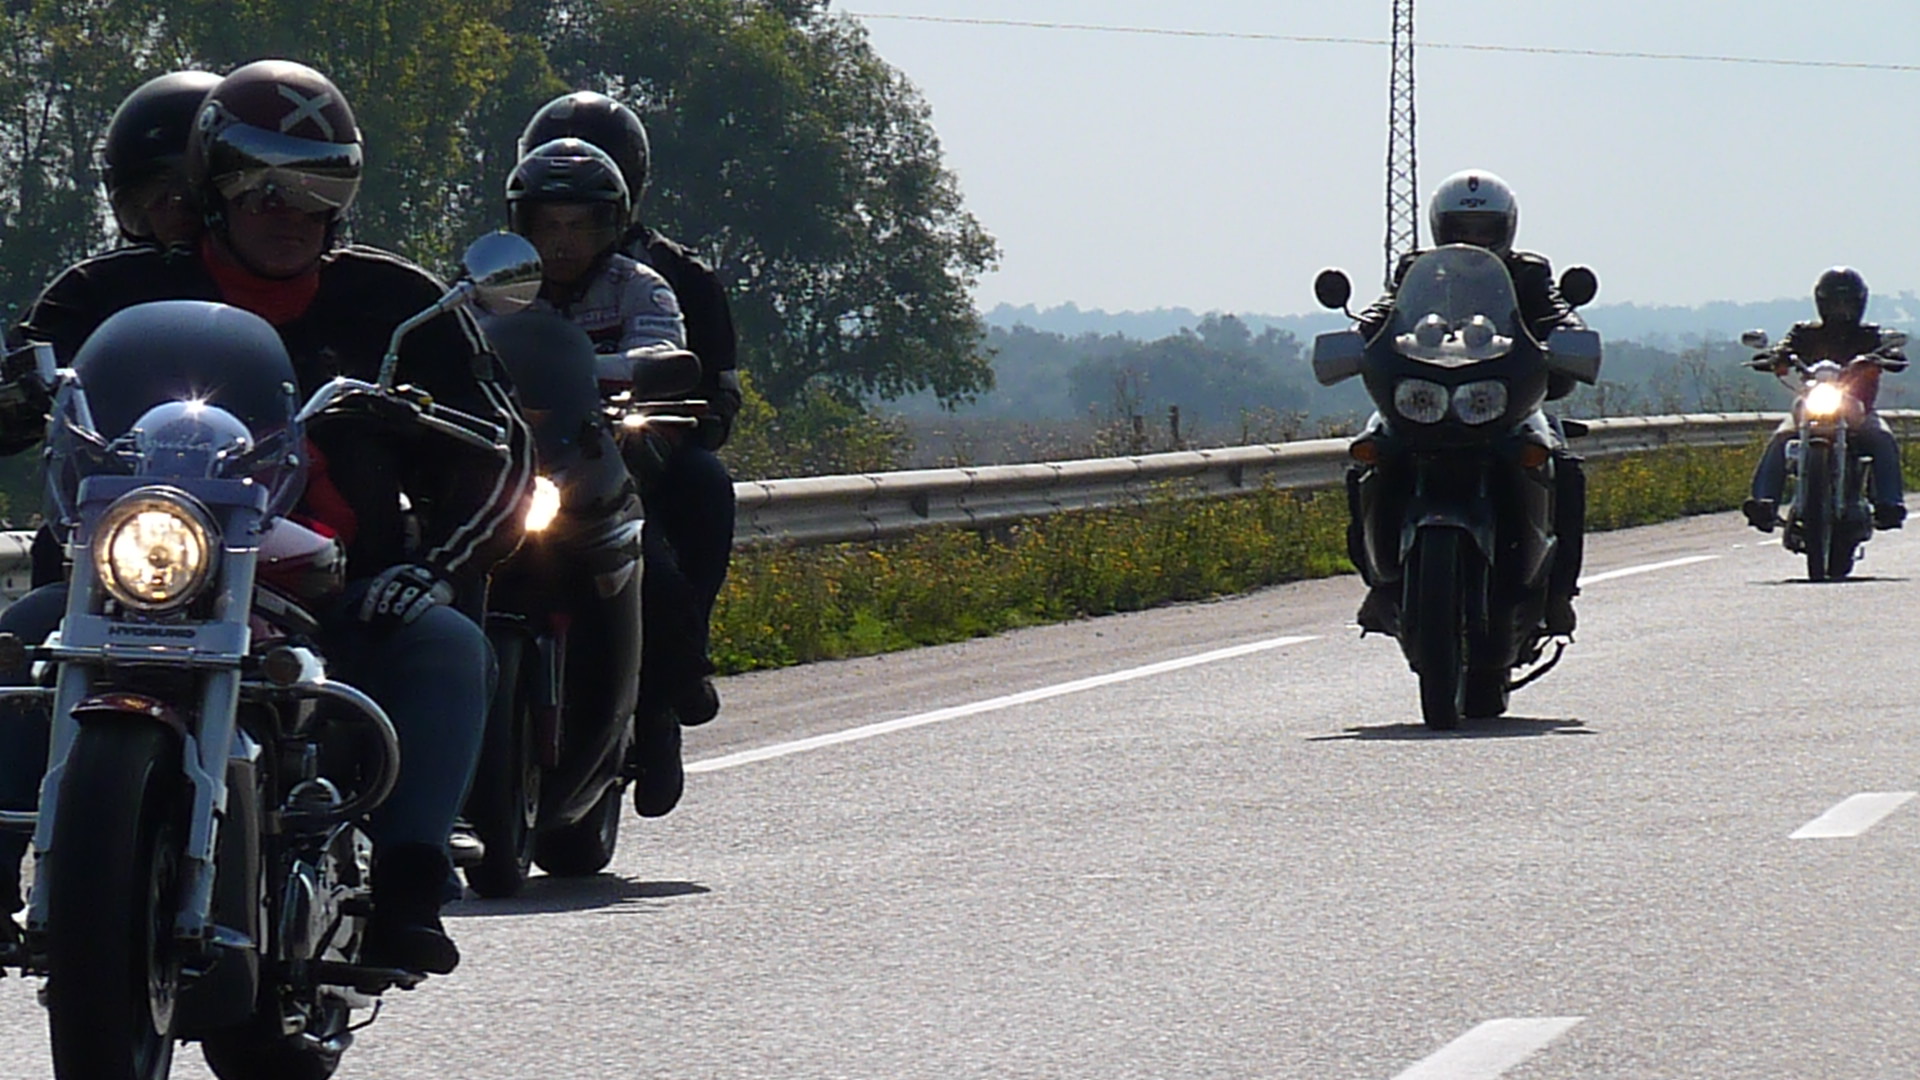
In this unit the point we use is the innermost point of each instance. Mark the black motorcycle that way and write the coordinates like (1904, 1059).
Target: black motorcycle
(1454, 485)
(564, 611)
(1830, 515)
(201, 863)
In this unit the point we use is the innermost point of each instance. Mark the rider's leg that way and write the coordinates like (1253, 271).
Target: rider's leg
(1889, 498)
(1769, 481)
(23, 735)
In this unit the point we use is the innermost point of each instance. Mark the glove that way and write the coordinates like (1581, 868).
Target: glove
(400, 594)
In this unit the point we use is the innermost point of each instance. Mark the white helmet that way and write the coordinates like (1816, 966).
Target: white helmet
(1474, 207)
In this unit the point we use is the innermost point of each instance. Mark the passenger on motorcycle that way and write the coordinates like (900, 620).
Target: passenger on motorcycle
(275, 160)
(1840, 298)
(569, 198)
(690, 507)
(1478, 208)
(143, 159)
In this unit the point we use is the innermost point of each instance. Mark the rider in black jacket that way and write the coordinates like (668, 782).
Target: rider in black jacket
(1840, 298)
(276, 159)
(690, 505)
(1476, 207)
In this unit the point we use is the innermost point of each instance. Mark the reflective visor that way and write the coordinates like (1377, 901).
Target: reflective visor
(307, 174)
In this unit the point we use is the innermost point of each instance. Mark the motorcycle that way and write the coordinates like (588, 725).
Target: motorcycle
(1830, 515)
(563, 613)
(1453, 485)
(201, 865)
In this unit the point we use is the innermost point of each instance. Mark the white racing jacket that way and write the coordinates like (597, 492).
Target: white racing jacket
(626, 305)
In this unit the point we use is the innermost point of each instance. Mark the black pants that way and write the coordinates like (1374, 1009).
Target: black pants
(686, 544)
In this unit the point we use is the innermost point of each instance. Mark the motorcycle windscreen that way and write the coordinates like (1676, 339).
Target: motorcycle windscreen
(1456, 307)
(201, 356)
(551, 361)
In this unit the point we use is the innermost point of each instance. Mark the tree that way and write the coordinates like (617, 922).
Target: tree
(807, 169)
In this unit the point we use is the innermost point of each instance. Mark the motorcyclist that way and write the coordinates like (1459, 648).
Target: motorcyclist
(275, 160)
(1478, 208)
(690, 509)
(569, 198)
(143, 159)
(1840, 299)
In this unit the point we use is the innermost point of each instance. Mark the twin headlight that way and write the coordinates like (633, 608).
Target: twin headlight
(155, 549)
(1426, 402)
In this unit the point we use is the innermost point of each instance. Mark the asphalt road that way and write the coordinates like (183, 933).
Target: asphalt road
(1213, 841)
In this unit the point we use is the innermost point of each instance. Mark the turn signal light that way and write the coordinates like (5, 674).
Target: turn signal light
(1533, 455)
(1365, 451)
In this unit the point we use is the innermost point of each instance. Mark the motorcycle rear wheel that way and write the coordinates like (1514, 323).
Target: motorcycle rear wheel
(586, 846)
(1816, 509)
(259, 1051)
(504, 805)
(113, 884)
(1440, 630)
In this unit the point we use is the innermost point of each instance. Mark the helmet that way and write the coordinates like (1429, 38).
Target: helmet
(1841, 296)
(146, 144)
(599, 120)
(1474, 207)
(279, 128)
(567, 171)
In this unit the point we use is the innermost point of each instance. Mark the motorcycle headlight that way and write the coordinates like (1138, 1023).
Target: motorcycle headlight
(545, 505)
(1480, 402)
(155, 550)
(1825, 400)
(1420, 401)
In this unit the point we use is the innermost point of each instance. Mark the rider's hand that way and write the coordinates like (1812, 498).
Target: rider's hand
(400, 594)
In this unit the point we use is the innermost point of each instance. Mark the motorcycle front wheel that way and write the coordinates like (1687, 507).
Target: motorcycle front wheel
(113, 887)
(586, 846)
(504, 804)
(1439, 629)
(1816, 509)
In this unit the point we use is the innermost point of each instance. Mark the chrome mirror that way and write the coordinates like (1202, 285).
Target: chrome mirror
(504, 268)
(1755, 339)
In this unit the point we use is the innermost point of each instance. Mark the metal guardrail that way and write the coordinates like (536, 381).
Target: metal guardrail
(878, 506)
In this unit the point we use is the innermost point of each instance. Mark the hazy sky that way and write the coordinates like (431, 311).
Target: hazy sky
(1125, 171)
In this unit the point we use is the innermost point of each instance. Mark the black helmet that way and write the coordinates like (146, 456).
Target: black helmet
(567, 171)
(147, 143)
(1840, 296)
(278, 128)
(600, 120)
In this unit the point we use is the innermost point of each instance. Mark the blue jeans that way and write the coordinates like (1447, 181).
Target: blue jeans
(433, 677)
(1874, 438)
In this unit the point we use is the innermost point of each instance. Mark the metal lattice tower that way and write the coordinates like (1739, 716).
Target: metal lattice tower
(1403, 160)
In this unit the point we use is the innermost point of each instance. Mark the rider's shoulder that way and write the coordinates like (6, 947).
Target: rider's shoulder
(378, 268)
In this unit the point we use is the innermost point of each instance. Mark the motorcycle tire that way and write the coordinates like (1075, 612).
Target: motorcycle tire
(1440, 630)
(1487, 694)
(259, 1051)
(504, 803)
(586, 846)
(113, 891)
(1816, 509)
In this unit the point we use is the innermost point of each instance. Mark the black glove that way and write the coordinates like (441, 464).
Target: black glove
(400, 594)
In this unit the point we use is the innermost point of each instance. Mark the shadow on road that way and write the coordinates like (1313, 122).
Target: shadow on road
(1505, 727)
(1856, 579)
(552, 896)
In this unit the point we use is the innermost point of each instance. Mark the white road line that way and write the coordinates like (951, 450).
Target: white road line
(1026, 697)
(1629, 571)
(1491, 1049)
(1853, 816)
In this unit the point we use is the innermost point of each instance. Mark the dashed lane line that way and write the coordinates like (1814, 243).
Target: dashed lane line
(1489, 1050)
(1008, 701)
(1852, 816)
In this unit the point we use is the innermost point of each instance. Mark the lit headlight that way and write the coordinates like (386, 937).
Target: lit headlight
(1825, 400)
(155, 549)
(1480, 402)
(1420, 401)
(545, 505)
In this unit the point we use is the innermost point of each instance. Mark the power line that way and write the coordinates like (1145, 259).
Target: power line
(1305, 39)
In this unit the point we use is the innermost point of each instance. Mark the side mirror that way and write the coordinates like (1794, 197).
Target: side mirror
(1578, 286)
(1337, 354)
(1756, 340)
(1893, 339)
(1575, 353)
(504, 268)
(1332, 289)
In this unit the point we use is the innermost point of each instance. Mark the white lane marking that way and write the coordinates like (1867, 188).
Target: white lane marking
(1026, 697)
(1491, 1049)
(1629, 571)
(1853, 816)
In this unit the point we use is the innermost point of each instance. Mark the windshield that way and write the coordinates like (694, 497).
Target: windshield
(178, 390)
(1455, 307)
(551, 361)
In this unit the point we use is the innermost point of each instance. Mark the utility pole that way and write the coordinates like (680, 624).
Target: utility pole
(1403, 160)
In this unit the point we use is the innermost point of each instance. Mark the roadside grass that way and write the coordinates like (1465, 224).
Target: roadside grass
(792, 606)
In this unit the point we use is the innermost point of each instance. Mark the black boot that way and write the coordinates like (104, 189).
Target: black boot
(658, 777)
(1762, 514)
(698, 703)
(1379, 613)
(1889, 515)
(409, 881)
